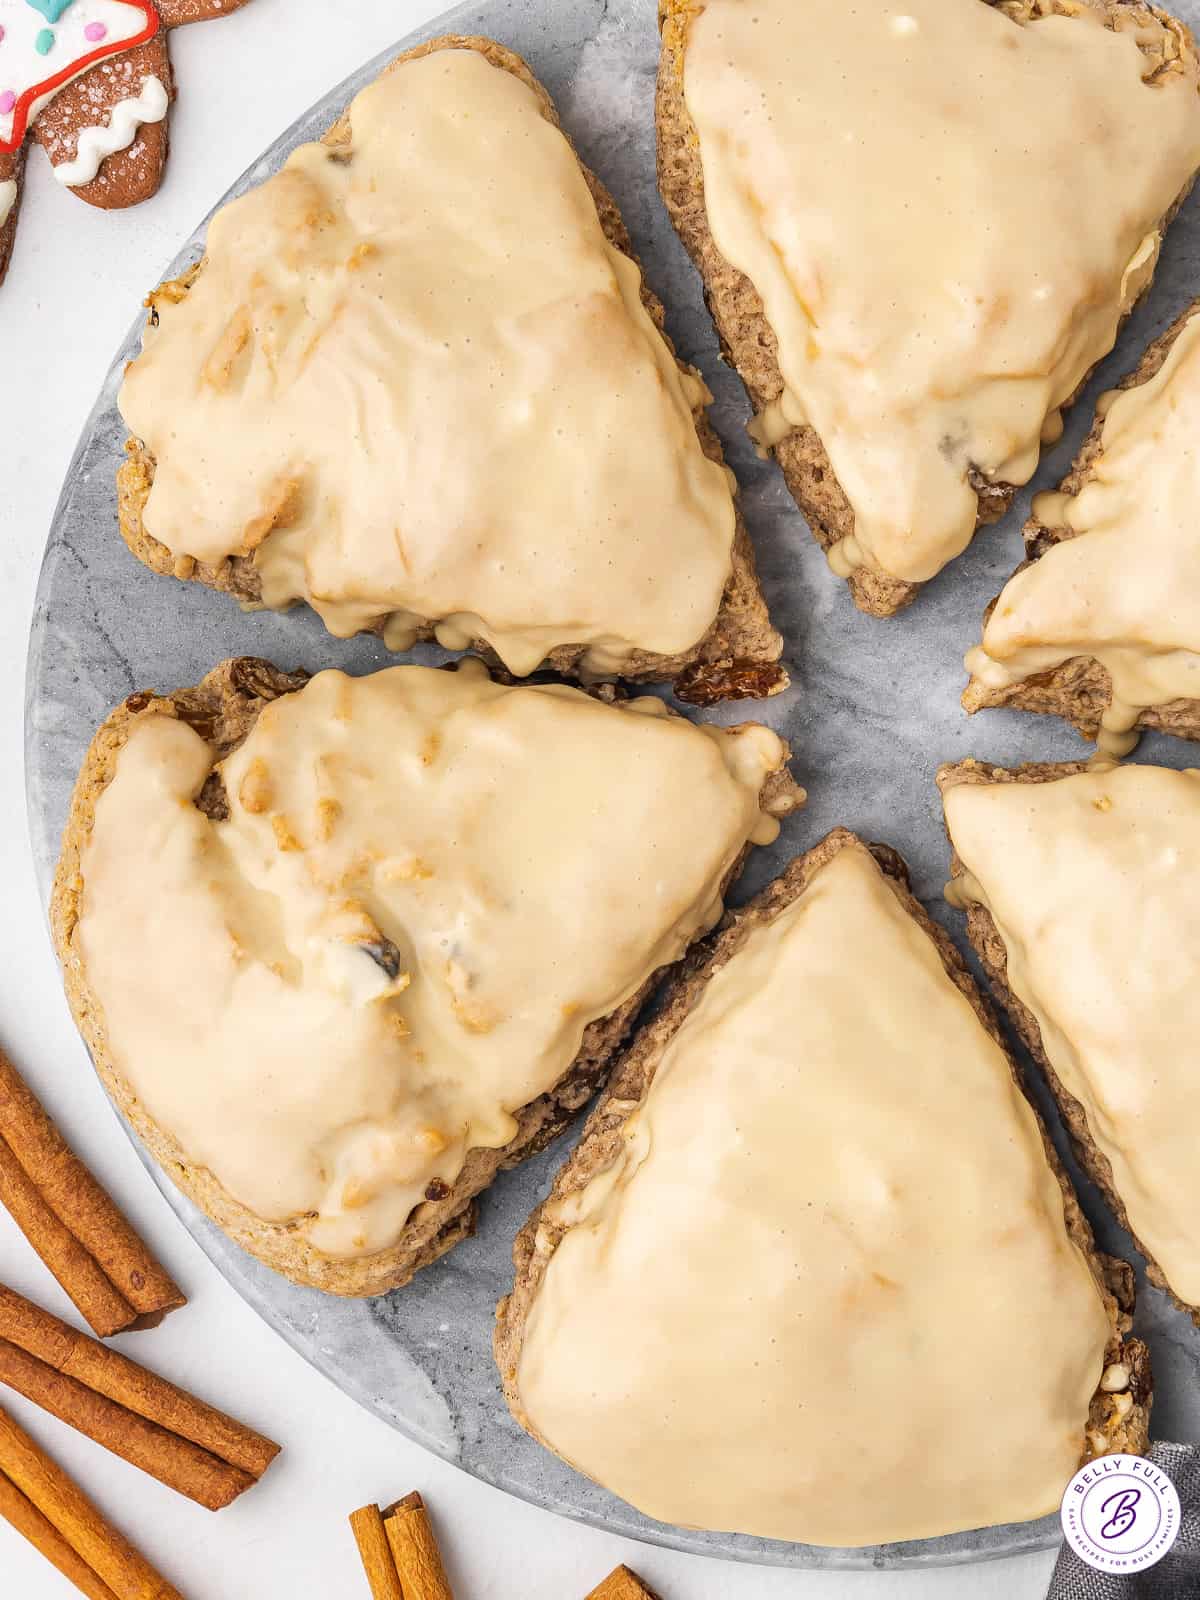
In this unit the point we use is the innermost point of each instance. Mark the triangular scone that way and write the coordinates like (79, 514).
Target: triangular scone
(1101, 625)
(1082, 891)
(345, 948)
(919, 227)
(813, 1272)
(418, 382)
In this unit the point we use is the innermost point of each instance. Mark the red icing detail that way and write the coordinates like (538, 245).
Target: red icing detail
(77, 65)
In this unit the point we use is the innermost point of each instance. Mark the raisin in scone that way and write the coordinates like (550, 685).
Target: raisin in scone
(344, 948)
(919, 228)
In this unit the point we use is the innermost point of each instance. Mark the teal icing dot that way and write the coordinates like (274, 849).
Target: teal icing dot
(51, 9)
(44, 42)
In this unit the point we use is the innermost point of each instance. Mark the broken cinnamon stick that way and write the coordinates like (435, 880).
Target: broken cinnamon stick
(27, 1467)
(54, 1199)
(375, 1553)
(621, 1584)
(25, 1517)
(141, 1417)
(415, 1550)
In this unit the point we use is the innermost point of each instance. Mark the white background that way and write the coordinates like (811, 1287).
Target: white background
(75, 282)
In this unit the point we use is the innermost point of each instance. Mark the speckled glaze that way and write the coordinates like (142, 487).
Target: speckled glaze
(872, 712)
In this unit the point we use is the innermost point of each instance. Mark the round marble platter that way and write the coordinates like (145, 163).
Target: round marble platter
(872, 712)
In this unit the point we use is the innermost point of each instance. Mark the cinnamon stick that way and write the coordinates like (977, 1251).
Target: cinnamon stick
(415, 1550)
(621, 1584)
(79, 1524)
(375, 1553)
(94, 1296)
(141, 1417)
(45, 1537)
(81, 1209)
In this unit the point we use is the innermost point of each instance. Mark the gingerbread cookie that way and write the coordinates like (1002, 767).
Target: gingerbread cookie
(91, 80)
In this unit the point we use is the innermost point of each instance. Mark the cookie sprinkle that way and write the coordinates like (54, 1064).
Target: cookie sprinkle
(95, 31)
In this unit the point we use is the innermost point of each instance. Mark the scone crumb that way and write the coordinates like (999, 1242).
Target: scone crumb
(254, 792)
(284, 837)
(328, 812)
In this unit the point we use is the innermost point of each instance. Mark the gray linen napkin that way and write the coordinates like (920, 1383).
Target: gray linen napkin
(1176, 1576)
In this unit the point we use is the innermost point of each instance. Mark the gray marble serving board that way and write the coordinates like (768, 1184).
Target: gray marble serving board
(873, 710)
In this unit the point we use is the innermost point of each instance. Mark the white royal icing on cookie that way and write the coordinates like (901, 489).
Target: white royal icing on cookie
(124, 120)
(22, 65)
(8, 198)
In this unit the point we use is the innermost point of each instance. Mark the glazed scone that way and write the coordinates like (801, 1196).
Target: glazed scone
(418, 382)
(919, 228)
(813, 1272)
(1082, 893)
(344, 948)
(1101, 624)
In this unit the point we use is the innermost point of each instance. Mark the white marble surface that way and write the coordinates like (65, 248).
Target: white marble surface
(65, 306)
